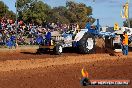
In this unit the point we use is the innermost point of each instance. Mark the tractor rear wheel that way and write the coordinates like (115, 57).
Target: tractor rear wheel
(87, 44)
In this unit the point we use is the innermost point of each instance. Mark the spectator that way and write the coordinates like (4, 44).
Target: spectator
(0, 25)
(125, 44)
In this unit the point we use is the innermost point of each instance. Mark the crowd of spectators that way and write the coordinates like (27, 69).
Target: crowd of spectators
(12, 34)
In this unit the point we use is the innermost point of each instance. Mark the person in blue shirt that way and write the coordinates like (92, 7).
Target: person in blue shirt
(48, 37)
(0, 25)
(39, 39)
(12, 41)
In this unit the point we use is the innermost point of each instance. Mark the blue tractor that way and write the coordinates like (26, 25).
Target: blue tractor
(83, 40)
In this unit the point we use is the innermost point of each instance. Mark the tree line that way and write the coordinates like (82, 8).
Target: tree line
(38, 12)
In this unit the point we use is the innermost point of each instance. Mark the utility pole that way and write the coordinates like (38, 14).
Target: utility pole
(16, 22)
(128, 14)
(5, 9)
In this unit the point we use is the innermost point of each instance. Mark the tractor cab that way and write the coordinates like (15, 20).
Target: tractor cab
(93, 29)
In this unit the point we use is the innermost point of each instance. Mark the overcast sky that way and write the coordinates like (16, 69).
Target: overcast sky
(108, 11)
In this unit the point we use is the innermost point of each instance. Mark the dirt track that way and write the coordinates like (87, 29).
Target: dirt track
(24, 69)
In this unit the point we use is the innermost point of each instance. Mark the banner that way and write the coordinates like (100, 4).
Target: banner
(124, 12)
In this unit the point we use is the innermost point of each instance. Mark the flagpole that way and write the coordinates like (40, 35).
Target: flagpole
(128, 14)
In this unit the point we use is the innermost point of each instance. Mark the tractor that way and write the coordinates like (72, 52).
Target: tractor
(83, 40)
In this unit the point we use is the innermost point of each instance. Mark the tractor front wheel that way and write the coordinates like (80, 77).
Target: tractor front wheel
(58, 49)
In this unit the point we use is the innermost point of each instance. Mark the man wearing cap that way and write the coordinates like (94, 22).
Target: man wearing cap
(125, 43)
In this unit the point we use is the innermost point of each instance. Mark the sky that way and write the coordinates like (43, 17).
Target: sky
(107, 11)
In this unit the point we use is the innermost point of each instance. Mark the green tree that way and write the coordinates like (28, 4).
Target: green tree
(125, 23)
(22, 3)
(78, 13)
(33, 11)
(4, 11)
(57, 14)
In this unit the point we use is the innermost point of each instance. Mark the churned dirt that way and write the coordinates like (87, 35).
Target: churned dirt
(23, 68)
(100, 45)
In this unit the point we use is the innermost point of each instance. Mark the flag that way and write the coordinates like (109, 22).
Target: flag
(116, 26)
(124, 11)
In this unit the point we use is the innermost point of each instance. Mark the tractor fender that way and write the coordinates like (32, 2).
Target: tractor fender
(80, 34)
